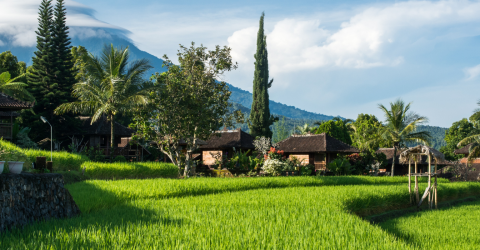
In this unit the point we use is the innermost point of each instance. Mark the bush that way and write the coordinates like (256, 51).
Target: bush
(120, 158)
(340, 166)
(273, 167)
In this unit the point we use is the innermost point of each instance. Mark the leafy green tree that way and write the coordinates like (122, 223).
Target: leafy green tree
(14, 88)
(113, 86)
(260, 118)
(456, 133)
(337, 129)
(365, 135)
(305, 129)
(400, 126)
(9, 63)
(471, 133)
(280, 131)
(64, 74)
(189, 104)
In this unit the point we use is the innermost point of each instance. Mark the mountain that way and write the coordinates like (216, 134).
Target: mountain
(95, 45)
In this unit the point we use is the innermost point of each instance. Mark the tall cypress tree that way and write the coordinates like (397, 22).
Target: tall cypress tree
(64, 64)
(260, 118)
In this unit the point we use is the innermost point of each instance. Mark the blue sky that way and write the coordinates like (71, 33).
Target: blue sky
(330, 57)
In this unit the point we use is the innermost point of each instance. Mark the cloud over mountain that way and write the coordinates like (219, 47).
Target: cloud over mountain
(18, 22)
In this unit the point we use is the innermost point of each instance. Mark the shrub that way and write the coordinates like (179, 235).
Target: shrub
(273, 167)
(120, 158)
(340, 166)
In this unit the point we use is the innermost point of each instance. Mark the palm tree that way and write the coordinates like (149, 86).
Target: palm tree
(112, 86)
(305, 129)
(474, 140)
(401, 126)
(13, 88)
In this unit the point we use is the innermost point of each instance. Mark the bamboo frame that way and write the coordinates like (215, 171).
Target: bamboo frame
(430, 193)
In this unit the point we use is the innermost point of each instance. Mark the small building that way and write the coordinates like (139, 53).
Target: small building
(316, 150)
(473, 165)
(8, 108)
(402, 168)
(225, 142)
(98, 135)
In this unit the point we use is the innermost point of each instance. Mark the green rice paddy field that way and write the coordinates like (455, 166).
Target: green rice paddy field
(252, 213)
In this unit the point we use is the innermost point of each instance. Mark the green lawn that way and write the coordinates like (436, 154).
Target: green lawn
(240, 213)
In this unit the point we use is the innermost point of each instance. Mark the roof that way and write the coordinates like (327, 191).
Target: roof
(101, 127)
(229, 139)
(10, 103)
(389, 154)
(315, 143)
(463, 151)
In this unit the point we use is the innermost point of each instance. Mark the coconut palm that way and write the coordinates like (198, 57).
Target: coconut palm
(400, 126)
(474, 140)
(113, 86)
(13, 88)
(305, 129)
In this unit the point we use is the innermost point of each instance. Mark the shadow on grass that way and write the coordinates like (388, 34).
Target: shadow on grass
(113, 218)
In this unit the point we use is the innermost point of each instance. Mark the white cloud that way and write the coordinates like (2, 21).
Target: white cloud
(368, 39)
(18, 21)
(472, 73)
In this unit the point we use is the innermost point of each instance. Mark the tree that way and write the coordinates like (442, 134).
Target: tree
(113, 86)
(189, 104)
(280, 131)
(472, 133)
(260, 118)
(365, 135)
(14, 88)
(400, 126)
(335, 128)
(79, 59)
(64, 73)
(457, 132)
(9, 63)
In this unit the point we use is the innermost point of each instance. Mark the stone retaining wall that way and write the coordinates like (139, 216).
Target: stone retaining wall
(25, 198)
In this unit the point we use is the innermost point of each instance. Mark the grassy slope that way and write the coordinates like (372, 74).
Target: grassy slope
(174, 214)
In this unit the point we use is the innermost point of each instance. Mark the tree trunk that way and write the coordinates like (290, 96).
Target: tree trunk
(112, 137)
(187, 163)
(393, 160)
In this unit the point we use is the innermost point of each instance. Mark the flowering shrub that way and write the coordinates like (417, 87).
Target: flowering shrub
(273, 167)
(274, 154)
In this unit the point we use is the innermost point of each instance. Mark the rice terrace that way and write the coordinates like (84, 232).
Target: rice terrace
(172, 125)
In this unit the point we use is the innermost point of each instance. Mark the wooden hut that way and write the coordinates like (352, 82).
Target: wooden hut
(401, 168)
(225, 142)
(8, 108)
(317, 150)
(98, 135)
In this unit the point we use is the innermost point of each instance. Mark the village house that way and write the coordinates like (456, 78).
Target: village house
(474, 164)
(98, 135)
(8, 108)
(225, 142)
(317, 150)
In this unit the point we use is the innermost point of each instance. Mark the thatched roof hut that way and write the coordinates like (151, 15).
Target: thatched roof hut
(422, 149)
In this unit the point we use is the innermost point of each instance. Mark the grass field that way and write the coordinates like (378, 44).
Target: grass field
(129, 170)
(451, 228)
(62, 161)
(241, 213)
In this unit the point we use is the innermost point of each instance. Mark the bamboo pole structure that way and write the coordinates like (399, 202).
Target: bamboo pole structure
(416, 182)
(410, 180)
(429, 181)
(436, 201)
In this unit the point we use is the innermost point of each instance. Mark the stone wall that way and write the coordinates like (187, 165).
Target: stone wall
(25, 198)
